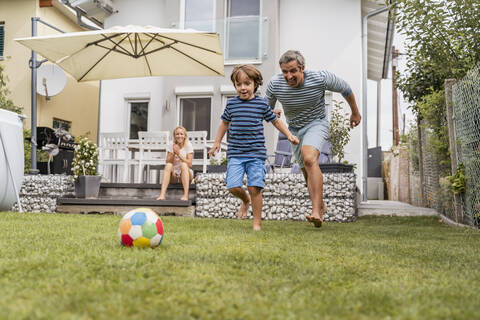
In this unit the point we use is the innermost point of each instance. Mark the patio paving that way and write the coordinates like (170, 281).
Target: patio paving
(393, 208)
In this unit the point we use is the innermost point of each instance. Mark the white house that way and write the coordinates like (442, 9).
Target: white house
(327, 32)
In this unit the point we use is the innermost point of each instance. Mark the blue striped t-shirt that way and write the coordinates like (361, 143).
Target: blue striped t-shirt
(245, 133)
(305, 103)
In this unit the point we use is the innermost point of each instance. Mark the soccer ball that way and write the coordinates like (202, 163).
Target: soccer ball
(141, 227)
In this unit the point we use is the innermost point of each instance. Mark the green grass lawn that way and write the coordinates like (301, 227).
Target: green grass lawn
(55, 266)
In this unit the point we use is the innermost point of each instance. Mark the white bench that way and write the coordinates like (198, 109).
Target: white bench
(198, 139)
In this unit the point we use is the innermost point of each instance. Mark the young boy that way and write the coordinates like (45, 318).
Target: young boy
(243, 117)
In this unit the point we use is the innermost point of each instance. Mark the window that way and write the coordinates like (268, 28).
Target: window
(64, 124)
(243, 30)
(195, 113)
(199, 15)
(2, 39)
(138, 118)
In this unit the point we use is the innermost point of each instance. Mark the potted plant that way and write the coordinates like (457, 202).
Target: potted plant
(339, 138)
(85, 160)
(217, 164)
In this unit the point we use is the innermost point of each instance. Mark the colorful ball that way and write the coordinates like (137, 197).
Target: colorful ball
(141, 227)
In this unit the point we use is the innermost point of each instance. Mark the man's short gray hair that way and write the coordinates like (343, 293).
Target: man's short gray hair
(291, 55)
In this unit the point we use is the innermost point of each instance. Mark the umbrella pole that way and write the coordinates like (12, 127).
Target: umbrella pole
(34, 64)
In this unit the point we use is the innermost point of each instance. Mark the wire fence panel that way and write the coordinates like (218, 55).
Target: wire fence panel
(466, 111)
(431, 176)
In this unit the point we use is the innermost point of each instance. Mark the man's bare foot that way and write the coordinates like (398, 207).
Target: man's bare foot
(243, 210)
(317, 218)
(184, 198)
(160, 197)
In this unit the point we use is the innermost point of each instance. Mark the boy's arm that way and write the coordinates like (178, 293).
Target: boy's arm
(222, 128)
(283, 129)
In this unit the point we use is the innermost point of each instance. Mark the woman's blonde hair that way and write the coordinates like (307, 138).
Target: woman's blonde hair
(184, 131)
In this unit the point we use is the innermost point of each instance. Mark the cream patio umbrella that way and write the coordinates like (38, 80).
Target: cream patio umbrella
(131, 51)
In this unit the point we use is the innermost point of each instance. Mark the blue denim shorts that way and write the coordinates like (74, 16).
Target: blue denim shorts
(253, 167)
(314, 134)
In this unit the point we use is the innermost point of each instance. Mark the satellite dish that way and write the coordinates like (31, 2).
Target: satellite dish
(51, 80)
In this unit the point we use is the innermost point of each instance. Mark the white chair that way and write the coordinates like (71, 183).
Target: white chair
(113, 154)
(153, 151)
(198, 139)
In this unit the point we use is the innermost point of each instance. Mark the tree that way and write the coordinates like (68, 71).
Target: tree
(443, 42)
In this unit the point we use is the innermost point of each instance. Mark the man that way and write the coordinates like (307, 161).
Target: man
(302, 95)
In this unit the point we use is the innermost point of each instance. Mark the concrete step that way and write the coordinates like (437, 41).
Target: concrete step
(121, 205)
(119, 198)
(144, 191)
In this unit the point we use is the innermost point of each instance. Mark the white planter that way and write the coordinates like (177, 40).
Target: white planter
(11, 158)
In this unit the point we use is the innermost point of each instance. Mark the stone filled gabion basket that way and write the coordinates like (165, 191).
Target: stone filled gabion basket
(285, 197)
(39, 193)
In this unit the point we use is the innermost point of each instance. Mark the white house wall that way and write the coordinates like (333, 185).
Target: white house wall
(140, 12)
(116, 95)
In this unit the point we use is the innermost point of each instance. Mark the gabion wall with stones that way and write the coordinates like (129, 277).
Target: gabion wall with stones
(39, 193)
(285, 197)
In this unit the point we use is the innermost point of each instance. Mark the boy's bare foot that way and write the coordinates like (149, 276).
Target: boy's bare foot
(160, 197)
(243, 210)
(184, 198)
(257, 227)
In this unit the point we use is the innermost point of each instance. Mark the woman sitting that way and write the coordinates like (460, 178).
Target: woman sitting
(178, 164)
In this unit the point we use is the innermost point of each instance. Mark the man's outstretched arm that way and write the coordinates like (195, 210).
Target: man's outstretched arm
(355, 117)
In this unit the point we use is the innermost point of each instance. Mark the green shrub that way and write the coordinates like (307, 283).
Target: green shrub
(222, 161)
(433, 112)
(5, 102)
(458, 180)
(339, 130)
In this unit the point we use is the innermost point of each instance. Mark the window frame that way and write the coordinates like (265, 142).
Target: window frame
(182, 15)
(62, 121)
(193, 96)
(226, 36)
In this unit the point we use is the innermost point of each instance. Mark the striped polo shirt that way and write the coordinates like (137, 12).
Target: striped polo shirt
(245, 133)
(305, 103)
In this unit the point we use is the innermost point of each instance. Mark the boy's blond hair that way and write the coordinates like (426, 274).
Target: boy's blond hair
(251, 72)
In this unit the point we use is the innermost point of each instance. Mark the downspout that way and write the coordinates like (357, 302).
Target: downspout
(386, 60)
(364, 98)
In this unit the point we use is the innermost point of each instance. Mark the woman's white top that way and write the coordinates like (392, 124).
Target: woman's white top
(187, 148)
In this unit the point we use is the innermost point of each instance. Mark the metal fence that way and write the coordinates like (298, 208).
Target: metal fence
(432, 188)
(437, 191)
(466, 113)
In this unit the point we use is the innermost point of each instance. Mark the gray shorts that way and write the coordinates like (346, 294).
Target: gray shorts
(314, 134)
